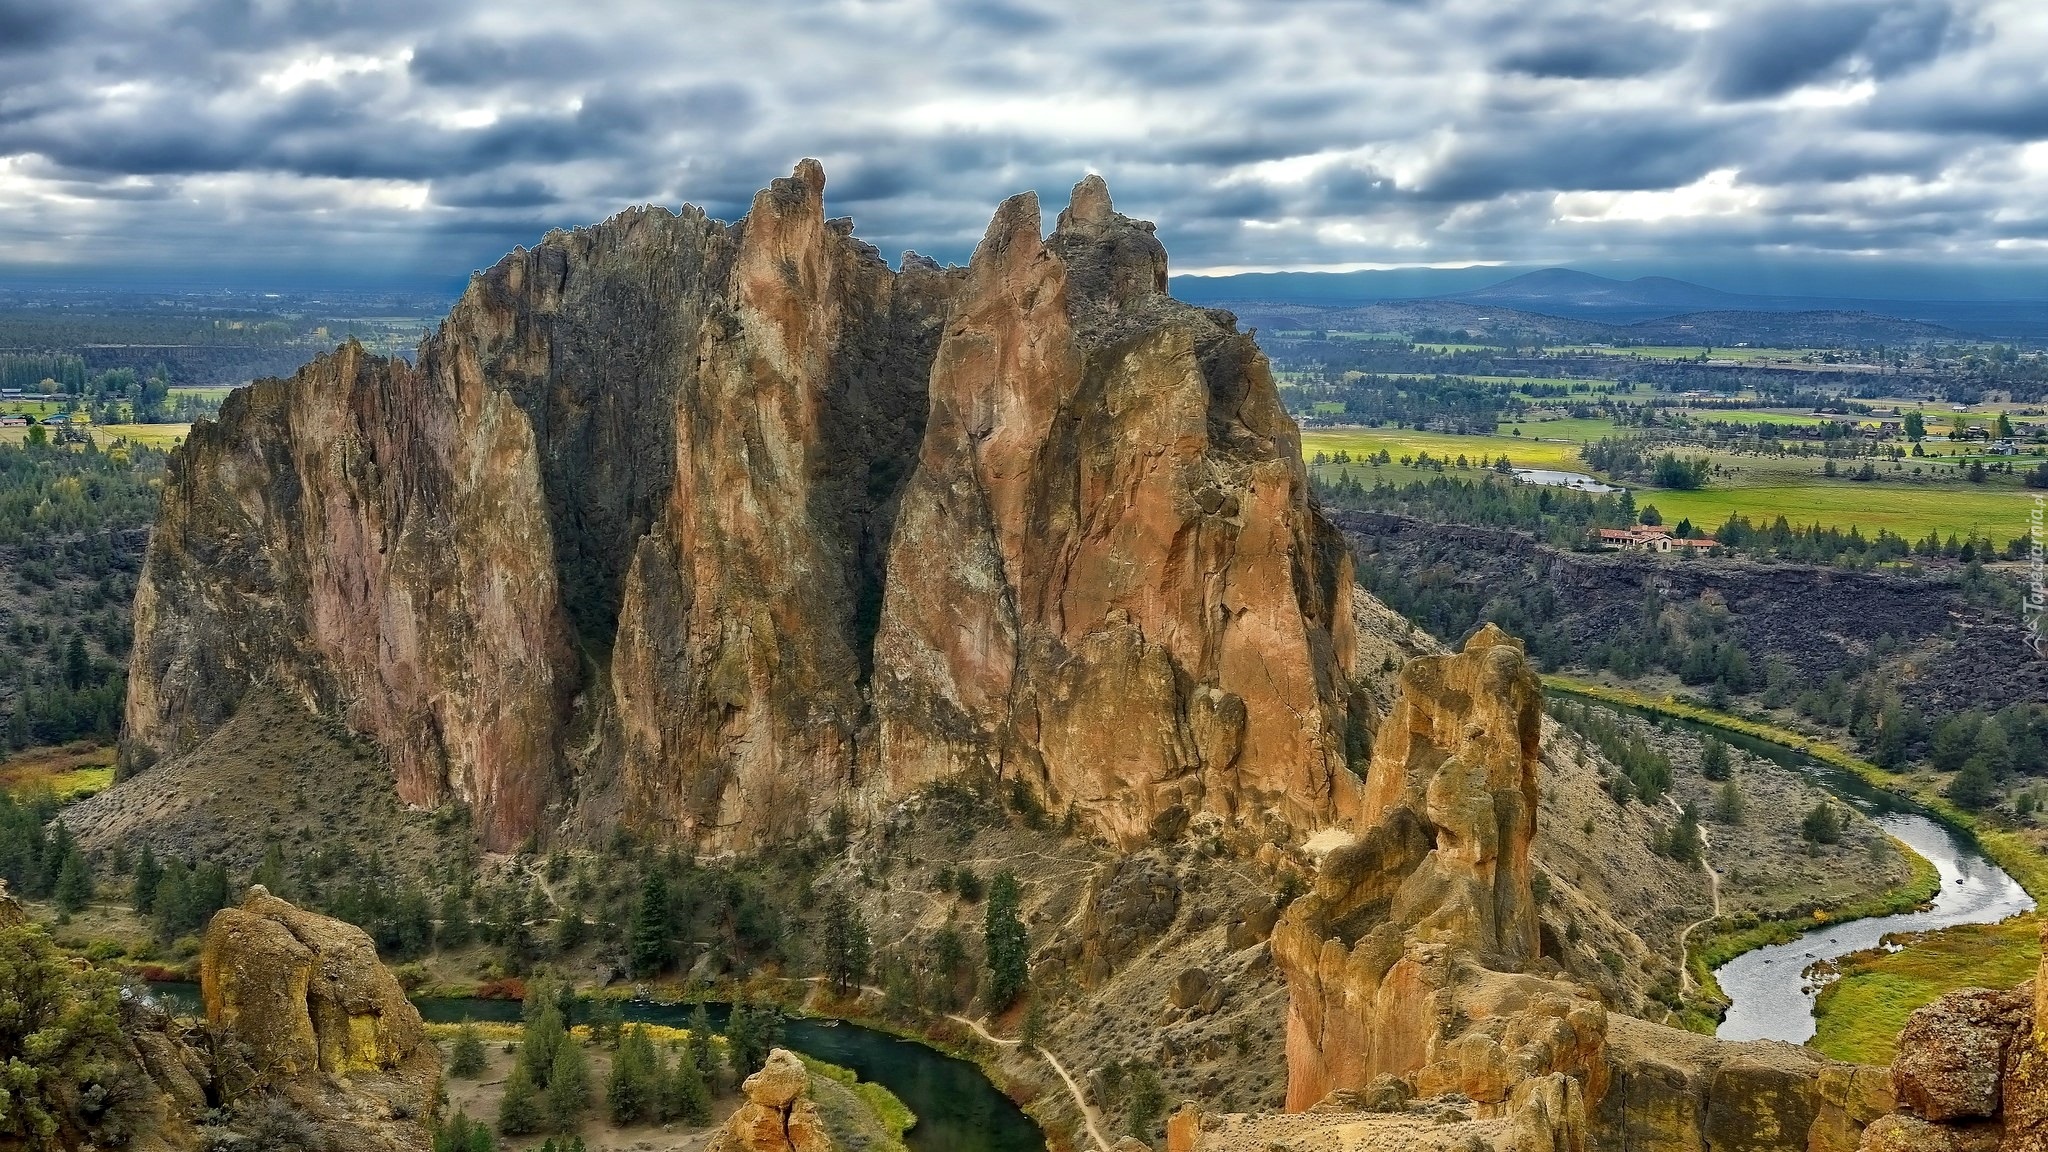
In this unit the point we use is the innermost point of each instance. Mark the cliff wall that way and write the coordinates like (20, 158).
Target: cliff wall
(714, 527)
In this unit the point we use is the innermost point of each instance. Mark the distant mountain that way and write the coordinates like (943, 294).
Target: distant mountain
(1569, 293)
(1717, 328)
(1565, 290)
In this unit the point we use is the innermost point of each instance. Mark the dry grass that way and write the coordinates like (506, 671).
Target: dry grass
(82, 768)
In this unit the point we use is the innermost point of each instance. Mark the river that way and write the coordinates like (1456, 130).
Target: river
(958, 1109)
(1770, 989)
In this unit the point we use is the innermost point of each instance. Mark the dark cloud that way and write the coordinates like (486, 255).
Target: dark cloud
(1258, 132)
(1598, 51)
(1778, 47)
(28, 25)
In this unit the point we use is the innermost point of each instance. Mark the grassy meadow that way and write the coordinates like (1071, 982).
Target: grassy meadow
(1760, 487)
(1860, 1014)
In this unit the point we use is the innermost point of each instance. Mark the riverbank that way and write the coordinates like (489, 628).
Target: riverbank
(1729, 939)
(1869, 994)
(2010, 851)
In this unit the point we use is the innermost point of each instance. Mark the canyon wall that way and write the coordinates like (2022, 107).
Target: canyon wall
(712, 528)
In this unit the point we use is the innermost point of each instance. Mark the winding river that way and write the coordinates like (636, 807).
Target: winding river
(1772, 995)
(958, 1109)
(1770, 989)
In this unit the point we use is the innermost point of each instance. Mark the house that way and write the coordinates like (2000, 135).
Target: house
(1642, 538)
(1645, 538)
(13, 421)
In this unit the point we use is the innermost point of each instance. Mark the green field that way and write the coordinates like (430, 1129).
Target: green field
(153, 435)
(1692, 352)
(1761, 488)
(1860, 1014)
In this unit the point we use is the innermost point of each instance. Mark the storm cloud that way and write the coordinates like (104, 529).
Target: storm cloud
(430, 135)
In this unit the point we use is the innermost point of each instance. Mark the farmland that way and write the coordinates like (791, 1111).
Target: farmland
(1759, 487)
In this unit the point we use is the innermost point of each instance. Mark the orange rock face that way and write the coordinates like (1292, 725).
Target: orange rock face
(322, 534)
(1107, 578)
(713, 528)
(1392, 960)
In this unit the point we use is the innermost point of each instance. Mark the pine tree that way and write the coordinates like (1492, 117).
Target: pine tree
(519, 1112)
(1973, 787)
(685, 1095)
(702, 1052)
(270, 873)
(147, 873)
(467, 1060)
(629, 1089)
(567, 1096)
(1006, 944)
(455, 930)
(650, 946)
(1729, 806)
(74, 882)
(846, 944)
(1714, 760)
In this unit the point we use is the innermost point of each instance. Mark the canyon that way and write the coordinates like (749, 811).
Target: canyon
(728, 534)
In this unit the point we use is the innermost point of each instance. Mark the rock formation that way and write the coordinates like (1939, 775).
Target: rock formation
(322, 1024)
(1415, 972)
(779, 1114)
(716, 527)
(1972, 1073)
(1107, 575)
(1400, 962)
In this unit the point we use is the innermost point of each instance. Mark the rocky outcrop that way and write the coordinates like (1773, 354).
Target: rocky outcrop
(320, 1023)
(11, 915)
(1402, 959)
(1415, 966)
(1674, 1091)
(1107, 576)
(1972, 1073)
(779, 1114)
(714, 528)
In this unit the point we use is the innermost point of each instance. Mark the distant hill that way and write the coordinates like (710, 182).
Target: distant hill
(1720, 329)
(1565, 293)
(1562, 290)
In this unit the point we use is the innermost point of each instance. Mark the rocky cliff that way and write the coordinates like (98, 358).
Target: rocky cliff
(1107, 576)
(714, 527)
(1417, 977)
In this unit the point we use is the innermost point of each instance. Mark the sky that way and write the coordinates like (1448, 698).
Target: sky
(392, 140)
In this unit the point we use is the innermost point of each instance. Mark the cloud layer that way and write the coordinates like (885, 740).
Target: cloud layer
(415, 135)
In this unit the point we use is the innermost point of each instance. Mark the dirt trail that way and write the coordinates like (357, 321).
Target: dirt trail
(1073, 1087)
(1685, 981)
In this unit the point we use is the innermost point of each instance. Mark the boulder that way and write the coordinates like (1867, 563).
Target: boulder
(1971, 1074)
(11, 915)
(1952, 1054)
(320, 1023)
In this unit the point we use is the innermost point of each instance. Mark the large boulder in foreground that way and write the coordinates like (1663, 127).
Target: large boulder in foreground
(1972, 1073)
(779, 1114)
(321, 1023)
